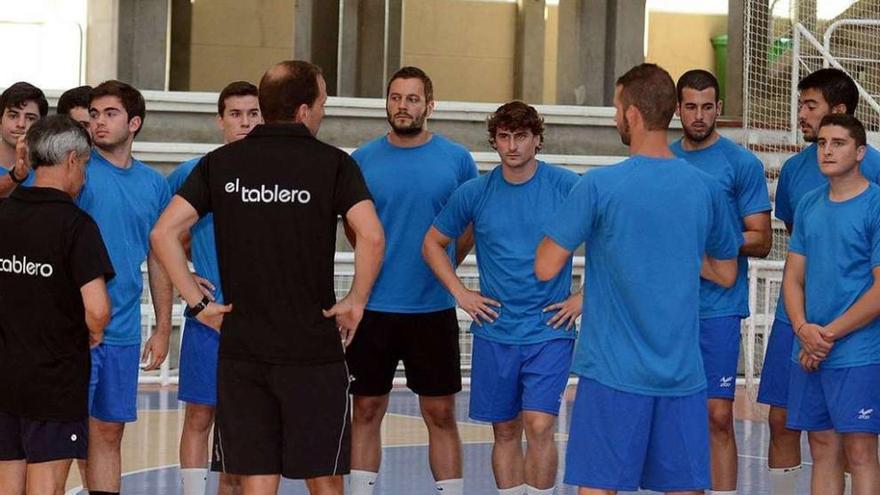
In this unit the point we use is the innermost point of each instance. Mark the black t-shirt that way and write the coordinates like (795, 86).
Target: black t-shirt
(276, 196)
(49, 249)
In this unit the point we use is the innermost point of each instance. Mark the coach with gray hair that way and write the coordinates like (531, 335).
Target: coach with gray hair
(53, 308)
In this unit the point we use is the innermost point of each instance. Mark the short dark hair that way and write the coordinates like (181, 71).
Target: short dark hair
(699, 80)
(649, 88)
(237, 88)
(515, 115)
(18, 94)
(80, 96)
(50, 140)
(410, 72)
(285, 87)
(848, 122)
(836, 86)
(132, 99)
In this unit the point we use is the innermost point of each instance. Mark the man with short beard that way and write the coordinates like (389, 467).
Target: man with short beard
(822, 93)
(411, 173)
(741, 175)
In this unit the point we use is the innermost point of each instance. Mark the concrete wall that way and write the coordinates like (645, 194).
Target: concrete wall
(234, 40)
(467, 47)
(679, 42)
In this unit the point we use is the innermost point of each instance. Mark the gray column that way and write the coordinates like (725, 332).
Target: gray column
(598, 41)
(528, 64)
(316, 36)
(181, 45)
(143, 43)
(733, 100)
(369, 45)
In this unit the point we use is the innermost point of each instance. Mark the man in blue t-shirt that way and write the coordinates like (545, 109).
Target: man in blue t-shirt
(21, 105)
(411, 172)
(822, 93)
(523, 328)
(831, 289)
(125, 198)
(653, 225)
(238, 111)
(741, 175)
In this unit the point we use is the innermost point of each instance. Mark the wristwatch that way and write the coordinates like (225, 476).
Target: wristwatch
(192, 311)
(15, 179)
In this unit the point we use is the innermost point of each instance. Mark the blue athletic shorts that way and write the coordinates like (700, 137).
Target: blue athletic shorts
(198, 364)
(113, 384)
(776, 372)
(509, 378)
(719, 343)
(624, 441)
(844, 399)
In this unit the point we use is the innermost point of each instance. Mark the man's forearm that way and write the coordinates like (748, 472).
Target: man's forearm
(436, 258)
(793, 296)
(756, 243)
(161, 292)
(368, 255)
(865, 310)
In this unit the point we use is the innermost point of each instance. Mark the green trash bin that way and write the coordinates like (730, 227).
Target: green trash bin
(719, 44)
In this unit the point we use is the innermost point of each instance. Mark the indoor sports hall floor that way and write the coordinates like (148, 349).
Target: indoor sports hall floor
(150, 449)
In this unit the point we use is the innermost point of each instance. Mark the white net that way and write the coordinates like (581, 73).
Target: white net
(783, 41)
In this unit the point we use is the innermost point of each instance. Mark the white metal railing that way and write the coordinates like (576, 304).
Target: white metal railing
(799, 32)
(765, 278)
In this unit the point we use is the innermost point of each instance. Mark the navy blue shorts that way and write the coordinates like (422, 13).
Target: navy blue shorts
(509, 378)
(776, 372)
(846, 400)
(624, 441)
(113, 384)
(198, 364)
(719, 344)
(42, 441)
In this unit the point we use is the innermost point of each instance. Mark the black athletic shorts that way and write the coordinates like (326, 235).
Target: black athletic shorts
(42, 441)
(290, 420)
(426, 342)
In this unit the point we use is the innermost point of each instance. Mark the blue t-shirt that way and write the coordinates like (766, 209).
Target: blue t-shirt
(841, 243)
(202, 245)
(410, 186)
(28, 181)
(800, 174)
(125, 203)
(741, 175)
(508, 224)
(647, 222)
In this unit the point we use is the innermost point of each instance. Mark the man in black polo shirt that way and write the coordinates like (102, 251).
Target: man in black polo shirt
(283, 403)
(53, 308)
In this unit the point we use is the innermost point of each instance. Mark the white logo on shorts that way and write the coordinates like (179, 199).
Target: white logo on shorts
(726, 382)
(865, 414)
(73, 437)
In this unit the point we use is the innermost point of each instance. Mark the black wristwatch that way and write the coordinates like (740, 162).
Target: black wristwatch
(192, 311)
(14, 179)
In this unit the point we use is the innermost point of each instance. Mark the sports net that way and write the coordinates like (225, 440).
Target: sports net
(783, 41)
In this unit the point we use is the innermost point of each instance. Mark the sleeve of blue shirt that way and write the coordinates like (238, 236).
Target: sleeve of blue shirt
(875, 237)
(783, 201)
(796, 242)
(725, 238)
(573, 221)
(468, 168)
(457, 214)
(752, 196)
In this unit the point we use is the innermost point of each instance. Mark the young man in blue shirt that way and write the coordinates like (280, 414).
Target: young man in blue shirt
(523, 328)
(125, 197)
(741, 175)
(238, 111)
(21, 105)
(831, 288)
(411, 172)
(824, 92)
(653, 225)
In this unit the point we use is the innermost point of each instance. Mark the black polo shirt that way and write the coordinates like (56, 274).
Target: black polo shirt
(276, 196)
(49, 249)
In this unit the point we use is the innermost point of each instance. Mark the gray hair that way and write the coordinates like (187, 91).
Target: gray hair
(51, 139)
